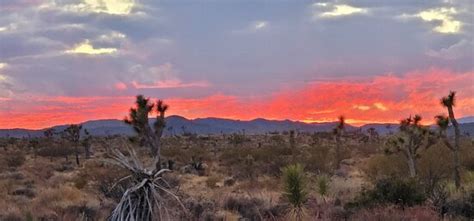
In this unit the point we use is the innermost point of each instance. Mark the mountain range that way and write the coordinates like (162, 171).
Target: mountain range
(180, 125)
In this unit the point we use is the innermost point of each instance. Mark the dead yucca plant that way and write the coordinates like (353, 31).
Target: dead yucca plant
(147, 198)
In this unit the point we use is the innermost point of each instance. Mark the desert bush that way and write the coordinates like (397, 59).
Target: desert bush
(391, 213)
(200, 209)
(249, 208)
(464, 206)
(15, 159)
(267, 160)
(212, 181)
(318, 159)
(55, 151)
(382, 166)
(294, 189)
(435, 166)
(401, 192)
(467, 154)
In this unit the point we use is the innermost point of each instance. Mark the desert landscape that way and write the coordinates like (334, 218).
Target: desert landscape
(236, 110)
(413, 172)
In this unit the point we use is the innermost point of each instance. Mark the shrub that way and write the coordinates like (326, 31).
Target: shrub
(462, 207)
(247, 207)
(382, 166)
(323, 186)
(318, 159)
(295, 188)
(212, 181)
(391, 191)
(15, 159)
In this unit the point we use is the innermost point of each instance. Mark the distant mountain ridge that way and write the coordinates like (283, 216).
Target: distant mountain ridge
(179, 125)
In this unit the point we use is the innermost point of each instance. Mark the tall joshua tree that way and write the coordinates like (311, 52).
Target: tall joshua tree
(138, 118)
(146, 199)
(73, 134)
(443, 122)
(409, 140)
(338, 132)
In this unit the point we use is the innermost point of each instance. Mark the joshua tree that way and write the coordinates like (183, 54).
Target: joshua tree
(338, 132)
(86, 143)
(292, 139)
(138, 118)
(409, 140)
(73, 134)
(295, 189)
(443, 122)
(146, 199)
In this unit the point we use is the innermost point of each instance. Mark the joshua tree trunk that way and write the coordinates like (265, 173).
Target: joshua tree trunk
(412, 166)
(77, 155)
(457, 134)
(338, 151)
(87, 150)
(457, 168)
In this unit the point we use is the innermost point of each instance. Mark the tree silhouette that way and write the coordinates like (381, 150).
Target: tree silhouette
(409, 140)
(138, 118)
(443, 123)
(338, 132)
(73, 135)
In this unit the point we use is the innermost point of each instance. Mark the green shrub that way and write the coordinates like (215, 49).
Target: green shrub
(400, 192)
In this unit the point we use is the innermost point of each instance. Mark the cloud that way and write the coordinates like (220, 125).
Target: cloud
(444, 15)
(160, 77)
(87, 48)
(385, 98)
(169, 84)
(461, 49)
(329, 10)
(253, 27)
(442, 18)
(380, 106)
(260, 25)
(113, 7)
(361, 107)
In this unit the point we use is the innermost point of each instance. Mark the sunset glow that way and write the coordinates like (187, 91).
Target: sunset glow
(70, 62)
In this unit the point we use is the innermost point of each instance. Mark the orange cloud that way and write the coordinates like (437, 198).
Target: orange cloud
(385, 98)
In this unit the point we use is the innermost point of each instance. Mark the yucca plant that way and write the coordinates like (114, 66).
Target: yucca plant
(148, 198)
(295, 192)
(323, 186)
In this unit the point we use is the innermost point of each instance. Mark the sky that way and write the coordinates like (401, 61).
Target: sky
(69, 61)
